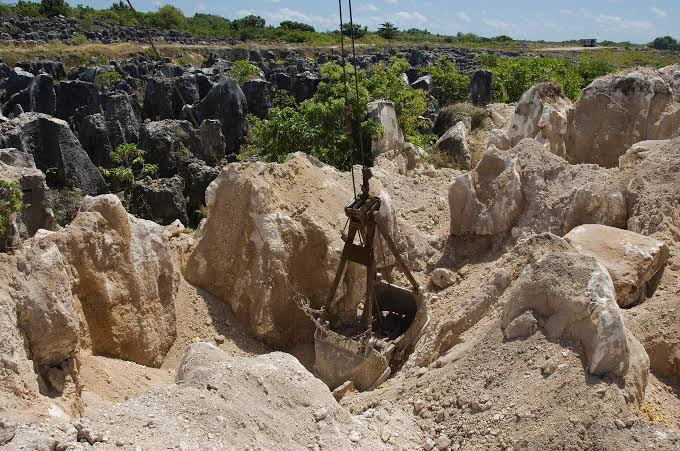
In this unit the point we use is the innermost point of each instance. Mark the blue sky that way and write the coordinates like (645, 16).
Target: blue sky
(618, 20)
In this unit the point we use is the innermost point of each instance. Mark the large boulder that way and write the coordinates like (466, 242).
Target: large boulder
(481, 87)
(56, 151)
(18, 80)
(304, 85)
(259, 95)
(616, 111)
(42, 98)
(635, 262)
(169, 143)
(453, 146)
(559, 196)
(121, 120)
(383, 113)
(75, 100)
(18, 166)
(573, 296)
(45, 304)
(273, 231)
(542, 114)
(93, 135)
(488, 199)
(160, 200)
(126, 280)
(158, 96)
(227, 103)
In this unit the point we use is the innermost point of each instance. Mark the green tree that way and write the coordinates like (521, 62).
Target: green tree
(168, 17)
(448, 84)
(388, 30)
(51, 8)
(296, 26)
(357, 30)
(250, 21)
(665, 43)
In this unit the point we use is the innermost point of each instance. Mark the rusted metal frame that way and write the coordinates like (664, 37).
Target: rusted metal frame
(397, 257)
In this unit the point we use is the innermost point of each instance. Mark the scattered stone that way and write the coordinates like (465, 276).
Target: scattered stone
(444, 278)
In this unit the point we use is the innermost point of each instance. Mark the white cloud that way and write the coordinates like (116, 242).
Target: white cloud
(392, 2)
(618, 23)
(658, 12)
(200, 6)
(368, 7)
(498, 24)
(566, 12)
(464, 17)
(282, 14)
(413, 16)
(244, 12)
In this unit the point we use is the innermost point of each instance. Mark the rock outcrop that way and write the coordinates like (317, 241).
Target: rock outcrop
(392, 139)
(56, 151)
(273, 231)
(453, 145)
(634, 262)
(488, 199)
(227, 103)
(616, 111)
(126, 280)
(574, 297)
(542, 113)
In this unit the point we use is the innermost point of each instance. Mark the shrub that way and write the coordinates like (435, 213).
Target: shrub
(27, 8)
(168, 17)
(107, 79)
(52, 8)
(448, 84)
(355, 30)
(513, 76)
(590, 68)
(318, 125)
(665, 43)
(250, 21)
(242, 71)
(11, 201)
(296, 26)
(130, 165)
(450, 115)
(79, 39)
(410, 104)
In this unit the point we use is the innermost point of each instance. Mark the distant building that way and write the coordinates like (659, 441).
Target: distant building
(588, 42)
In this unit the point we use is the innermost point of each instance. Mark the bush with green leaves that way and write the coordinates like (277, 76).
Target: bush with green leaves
(51, 8)
(168, 17)
(107, 79)
(448, 84)
(242, 71)
(129, 165)
(513, 76)
(296, 26)
(665, 43)
(11, 201)
(590, 67)
(318, 126)
(410, 104)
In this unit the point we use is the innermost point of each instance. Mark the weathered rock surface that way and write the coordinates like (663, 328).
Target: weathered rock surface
(454, 144)
(488, 199)
(45, 304)
(542, 114)
(575, 298)
(287, 241)
(55, 149)
(616, 111)
(633, 261)
(126, 280)
(227, 103)
(19, 167)
(392, 139)
(160, 200)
